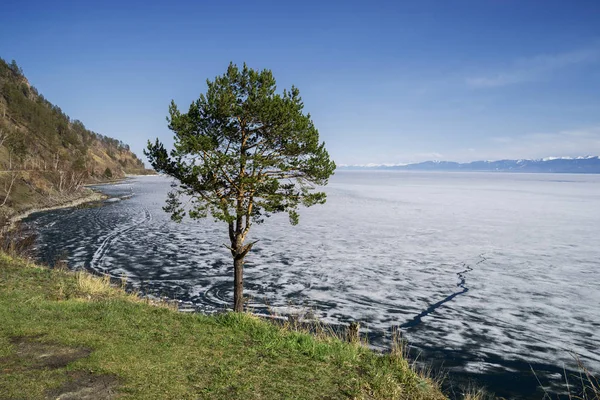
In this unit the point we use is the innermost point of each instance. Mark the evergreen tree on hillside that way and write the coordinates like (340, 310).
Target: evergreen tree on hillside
(16, 70)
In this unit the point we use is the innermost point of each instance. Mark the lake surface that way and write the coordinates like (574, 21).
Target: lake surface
(490, 275)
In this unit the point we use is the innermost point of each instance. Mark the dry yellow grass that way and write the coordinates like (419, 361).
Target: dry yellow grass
(476, 394)
(94, 286)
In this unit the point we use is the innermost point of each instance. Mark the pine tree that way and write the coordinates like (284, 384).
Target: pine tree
(243, 152)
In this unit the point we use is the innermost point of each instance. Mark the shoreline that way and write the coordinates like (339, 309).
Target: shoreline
(90, 197)
(105, 183)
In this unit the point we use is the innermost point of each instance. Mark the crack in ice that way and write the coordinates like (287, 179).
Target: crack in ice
(417, 319)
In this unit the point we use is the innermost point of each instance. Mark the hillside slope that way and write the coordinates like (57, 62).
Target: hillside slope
(74, 336)
(45, 156)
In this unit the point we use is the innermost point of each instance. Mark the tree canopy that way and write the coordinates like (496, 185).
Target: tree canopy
(243, 152)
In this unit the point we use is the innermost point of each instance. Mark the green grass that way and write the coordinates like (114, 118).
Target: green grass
(157, 353)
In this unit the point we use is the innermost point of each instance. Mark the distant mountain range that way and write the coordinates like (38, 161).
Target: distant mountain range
(577, 165)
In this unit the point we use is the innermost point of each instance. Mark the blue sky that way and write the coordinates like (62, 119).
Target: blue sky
(385, 81)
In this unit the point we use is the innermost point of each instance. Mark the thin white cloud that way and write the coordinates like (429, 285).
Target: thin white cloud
(420, 157)
(566, 143)
(433, 155)
(502, 139)
(535, 68)
(536, 145)
(407, 158)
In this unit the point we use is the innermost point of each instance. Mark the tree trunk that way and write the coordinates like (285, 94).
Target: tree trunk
(238, 283)
(13, 178)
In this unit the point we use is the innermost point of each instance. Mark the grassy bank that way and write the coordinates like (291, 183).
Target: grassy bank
(72, 200)
(27, 198)
(67, 334)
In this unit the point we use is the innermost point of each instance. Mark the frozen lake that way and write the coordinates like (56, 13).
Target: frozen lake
(489, 274)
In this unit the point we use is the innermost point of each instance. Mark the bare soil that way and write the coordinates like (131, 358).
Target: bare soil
(86, 386)
(31, 354)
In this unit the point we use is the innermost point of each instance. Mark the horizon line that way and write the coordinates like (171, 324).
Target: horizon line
(543, 159)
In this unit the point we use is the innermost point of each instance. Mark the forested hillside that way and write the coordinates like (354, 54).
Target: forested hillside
(46, 156)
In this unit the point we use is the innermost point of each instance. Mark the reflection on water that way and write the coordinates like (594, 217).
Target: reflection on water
(488, 274)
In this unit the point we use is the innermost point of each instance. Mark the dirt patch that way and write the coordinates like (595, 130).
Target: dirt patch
(32, 354)
(86, 386)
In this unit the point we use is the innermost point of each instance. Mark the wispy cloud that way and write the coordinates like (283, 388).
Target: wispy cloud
(429, 156)
(566, 143)
(534, 68)
(410, 158)
(502, 139)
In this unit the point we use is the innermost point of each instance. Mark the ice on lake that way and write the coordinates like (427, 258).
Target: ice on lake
(388, 249)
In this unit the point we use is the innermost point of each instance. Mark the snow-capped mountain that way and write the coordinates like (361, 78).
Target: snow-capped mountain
(582, 164)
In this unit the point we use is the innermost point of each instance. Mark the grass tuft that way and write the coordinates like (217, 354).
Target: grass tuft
(94, 286)
(590, 385)
(476, 394)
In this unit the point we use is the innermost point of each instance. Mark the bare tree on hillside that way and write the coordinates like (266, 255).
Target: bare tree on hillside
(5, 133)
(8, 185)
